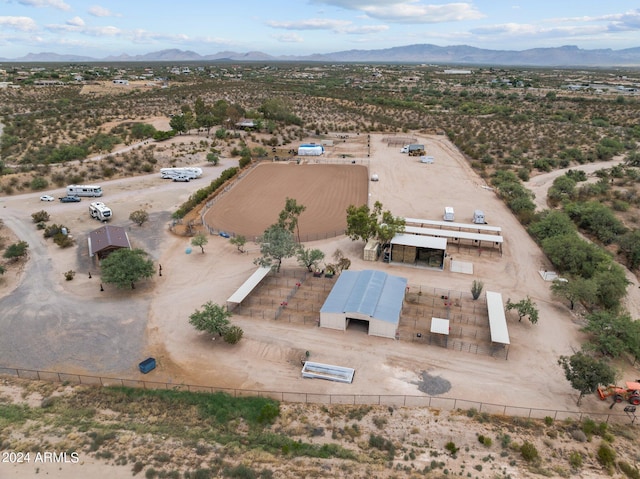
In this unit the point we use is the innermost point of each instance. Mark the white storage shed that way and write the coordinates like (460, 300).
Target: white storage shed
(373, 297)
(310, 149)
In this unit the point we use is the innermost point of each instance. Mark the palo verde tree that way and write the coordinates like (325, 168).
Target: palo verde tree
(586, 373)
(575, 290)
(524, 307)
(290, 215)
(200, 240)
(125, 267)
(276, 244)
(239, 241)
(309, 258)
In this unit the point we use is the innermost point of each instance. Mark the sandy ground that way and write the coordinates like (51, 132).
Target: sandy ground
(267, 358)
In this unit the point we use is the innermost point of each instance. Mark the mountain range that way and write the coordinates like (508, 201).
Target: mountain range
(564, 56)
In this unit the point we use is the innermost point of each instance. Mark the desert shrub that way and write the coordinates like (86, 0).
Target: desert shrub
(451, 447)
(630, 471)
(240, 471)
(606, 455)
(69, 275)
(38, 183)
(575, 459)
(485, 440)
(40, 216)
(137, 467)
(548, 420)
(380, 422)
(529, 452)
(62, 240)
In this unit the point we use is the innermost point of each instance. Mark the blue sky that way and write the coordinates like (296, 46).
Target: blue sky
(299, 27)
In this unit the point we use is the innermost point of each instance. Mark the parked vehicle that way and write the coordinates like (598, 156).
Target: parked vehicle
(99, 211)
(47, 198)
(478, 217)
(629, 393)
(181, 178)
(192, 172)
(70, 199)
(84, 190)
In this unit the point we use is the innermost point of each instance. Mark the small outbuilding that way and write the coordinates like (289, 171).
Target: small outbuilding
(373, 298)
(107, 239)
(310, 149)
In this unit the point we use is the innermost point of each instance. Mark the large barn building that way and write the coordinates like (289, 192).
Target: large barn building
(371, 297)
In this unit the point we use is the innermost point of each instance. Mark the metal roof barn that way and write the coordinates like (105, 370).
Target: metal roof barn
(368, 296)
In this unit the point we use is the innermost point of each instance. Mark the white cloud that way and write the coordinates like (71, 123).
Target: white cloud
(288, 38)
(410, 11)
(336, 26)
(59, 4)
(24, 24)
(76, 22)
(98, 11)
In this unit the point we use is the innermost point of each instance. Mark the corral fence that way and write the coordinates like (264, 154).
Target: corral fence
(397, 400)
(399, 140)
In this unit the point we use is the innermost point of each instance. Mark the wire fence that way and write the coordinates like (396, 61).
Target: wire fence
(394, 400)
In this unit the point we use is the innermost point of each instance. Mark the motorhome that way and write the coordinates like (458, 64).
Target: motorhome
(100, 211)
(448, 214)
(190, 171)
(84, 190)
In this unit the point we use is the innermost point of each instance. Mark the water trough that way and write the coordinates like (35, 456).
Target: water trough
(327, 371)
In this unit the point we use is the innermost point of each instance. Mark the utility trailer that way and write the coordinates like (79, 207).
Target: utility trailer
(100, 211)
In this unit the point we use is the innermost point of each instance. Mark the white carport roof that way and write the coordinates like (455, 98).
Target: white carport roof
(453, 234)
(243, 291)
(420, 241)
(497, 319)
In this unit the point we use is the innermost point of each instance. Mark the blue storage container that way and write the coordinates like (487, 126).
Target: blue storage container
(147, 365)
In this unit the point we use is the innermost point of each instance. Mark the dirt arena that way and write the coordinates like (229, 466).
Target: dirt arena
(253, 204)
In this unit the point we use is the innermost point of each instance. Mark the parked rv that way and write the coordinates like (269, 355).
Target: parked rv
(190, 171)
(84, 190)
(100, 211)
(448, 214)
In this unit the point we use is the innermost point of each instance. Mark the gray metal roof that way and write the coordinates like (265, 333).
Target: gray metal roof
(371, 293)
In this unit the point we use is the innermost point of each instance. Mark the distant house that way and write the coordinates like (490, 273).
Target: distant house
(106, 240)
(120, 82)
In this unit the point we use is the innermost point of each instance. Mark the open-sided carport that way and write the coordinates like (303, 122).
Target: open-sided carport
(418, 249)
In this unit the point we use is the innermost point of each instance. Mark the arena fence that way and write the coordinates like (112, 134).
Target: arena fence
(397, 400)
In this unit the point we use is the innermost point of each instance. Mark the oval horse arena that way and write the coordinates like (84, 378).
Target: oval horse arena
(255, 202)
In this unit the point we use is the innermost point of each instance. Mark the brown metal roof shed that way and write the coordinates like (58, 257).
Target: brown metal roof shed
(106, 239)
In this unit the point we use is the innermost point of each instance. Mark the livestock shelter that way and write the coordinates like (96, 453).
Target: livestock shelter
(497, 321)
(371, 297)
(245, 289)
(419, 250)
(310, 149)
(107, 239)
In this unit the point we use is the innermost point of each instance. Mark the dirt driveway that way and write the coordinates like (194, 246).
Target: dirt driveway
(153, 320)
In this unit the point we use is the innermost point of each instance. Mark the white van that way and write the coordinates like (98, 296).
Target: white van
(448, 213)
(404, 149)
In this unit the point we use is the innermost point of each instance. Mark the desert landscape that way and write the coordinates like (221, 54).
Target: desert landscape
(267, 360)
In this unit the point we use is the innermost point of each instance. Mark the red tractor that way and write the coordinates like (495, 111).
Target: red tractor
(630, 393)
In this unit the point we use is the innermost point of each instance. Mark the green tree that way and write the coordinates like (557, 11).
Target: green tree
(239, 241)
(276, 244)
(125, 267)
(563, 188)
(141, 131)
(200, 240)
(290, 215)
(16, 251)
(389, 226)
(212, 319)
(139, 217)
(2, 269)
(611, 284)
(609, 332)
(551, 223)
(576, 290)
(213, 158)
(597, 219)
(586, 373)
(39, 183)
(629, 247)
(178, 123)
(309, 258)
(524, 307)
(360, 223)
(575, 256)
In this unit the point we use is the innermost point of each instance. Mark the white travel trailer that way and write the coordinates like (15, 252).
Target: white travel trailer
(100, 211)
(190, 171)
(448, 214)
(478, 217)
(84, 190)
